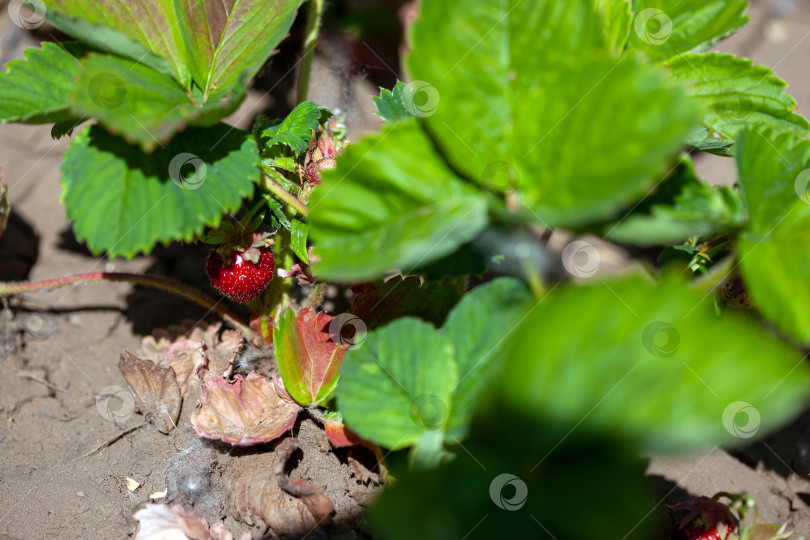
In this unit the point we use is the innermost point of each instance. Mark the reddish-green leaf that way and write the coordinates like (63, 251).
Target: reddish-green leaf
(230, 37)
(148, 31)
(310, 349)
(215, 43)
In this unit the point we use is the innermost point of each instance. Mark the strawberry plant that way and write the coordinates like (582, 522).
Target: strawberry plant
(500, 380)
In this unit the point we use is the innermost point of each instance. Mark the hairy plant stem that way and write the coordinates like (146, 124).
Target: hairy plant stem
(275, 188)
(157, 282)
(313, 26)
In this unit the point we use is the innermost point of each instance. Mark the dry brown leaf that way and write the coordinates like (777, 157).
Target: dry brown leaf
(244, 411)
(255, 491)
(155, 388)
(154, 347)
(185, 357)
(159, 521)
(219, 532)
(359, 471)
(170, 347)
(223, 353)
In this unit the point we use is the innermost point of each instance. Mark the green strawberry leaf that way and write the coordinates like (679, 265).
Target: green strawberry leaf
(649, 368)
(567, 80)
(123, 201)
(391, 104)
(309, 351)
(776, 274)
(478, 327)
(407, 370)
(32, 97)
(733, 93)
(382, 210)
(139, 103)
(663, 29)
(294, 131)
(616, 22)
(298, 238)
(502, 487)
(66, 127)
(771, 169)
(774, 172)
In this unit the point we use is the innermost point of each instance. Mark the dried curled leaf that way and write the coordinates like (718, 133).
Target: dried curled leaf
(289, 507)
(220, 350)
(219, 532)
(246, 411)
(185, 357)
(155, 389)
(158, 521)
(309, 355)
(223, 353)
(175, 523)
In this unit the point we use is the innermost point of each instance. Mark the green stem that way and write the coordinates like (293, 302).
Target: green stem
(313, 25)
(534, 279)
(157, 282)
(248, 217)
(287, 263)
(275, 188)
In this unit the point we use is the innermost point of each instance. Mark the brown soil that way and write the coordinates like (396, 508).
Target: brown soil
(59, 350)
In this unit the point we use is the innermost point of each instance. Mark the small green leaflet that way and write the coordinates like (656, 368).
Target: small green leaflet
(391, 105)
(298, 238)
(276, 219)
(294, 131)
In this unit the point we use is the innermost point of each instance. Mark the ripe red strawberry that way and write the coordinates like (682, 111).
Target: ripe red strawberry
(238, 273)
(705, 519)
